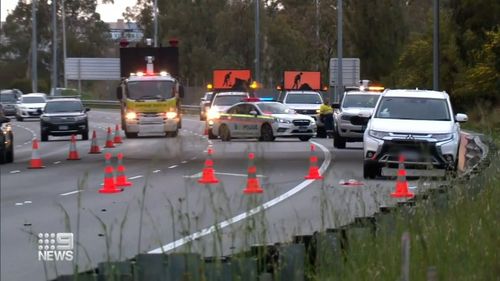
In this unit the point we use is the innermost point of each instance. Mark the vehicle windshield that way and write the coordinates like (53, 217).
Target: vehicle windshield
(226, 100)
(274, 108)
(368, 101)
(144, 90)
(413, 109)
(63, 106)
(8, 98)
(303, 98)
(33, 100)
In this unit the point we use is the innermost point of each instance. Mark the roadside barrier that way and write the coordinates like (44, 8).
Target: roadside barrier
(36, 161)
(109, 140)
(121, 178)
(313, 166)
(253, 185)
(94, 147)
(208, 173)
(73, 152)
(117, 138)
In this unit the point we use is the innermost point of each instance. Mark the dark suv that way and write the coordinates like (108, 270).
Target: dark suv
(8, 99)
(6, 139)
(64, 117)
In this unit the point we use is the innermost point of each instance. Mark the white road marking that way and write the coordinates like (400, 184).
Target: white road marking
(19, 204)
(194, 158)
(242, 216)
(15, 172)
(57, 162)
(173, 166)
(135, 177)
(27, 202)
(69, 193)
(184, 162)
(197, 175)
(156, 171)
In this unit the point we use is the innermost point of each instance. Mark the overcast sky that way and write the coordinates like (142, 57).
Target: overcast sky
(109, 12)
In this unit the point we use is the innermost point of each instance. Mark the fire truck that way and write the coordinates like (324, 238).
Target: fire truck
(150, 93)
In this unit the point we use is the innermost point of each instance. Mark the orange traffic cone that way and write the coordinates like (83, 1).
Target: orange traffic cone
(94, 148)
(117, 138)
(109, 181)
(121, 178)
(73, 153)
(313, 166)
(253, 185)
(401, 183)
(109, 140)
(208, 173)
(36, 161)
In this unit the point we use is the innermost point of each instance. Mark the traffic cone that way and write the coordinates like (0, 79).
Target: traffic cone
(109, 181)
(401, 183)
(109, 140)
(36, 161)
(208, 173)
(94, 148)
(205, 132)
(73, 153)
(117, 138)
(121, 178)
(313, 166)
(253, 185)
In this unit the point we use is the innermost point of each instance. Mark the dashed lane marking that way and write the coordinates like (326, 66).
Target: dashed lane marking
(197, 175)
(15, 171)
(135, 177)
(156, 171)
(57, 162)
(71, 192)
(184, 162)
(173, 166)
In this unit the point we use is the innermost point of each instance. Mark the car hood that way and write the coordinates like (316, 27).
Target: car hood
(63, 114)
(303, 105)
(293, 116)
(411, 126)
(32, 105)
(357, 111)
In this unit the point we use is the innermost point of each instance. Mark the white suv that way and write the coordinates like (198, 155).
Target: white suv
(417, 124)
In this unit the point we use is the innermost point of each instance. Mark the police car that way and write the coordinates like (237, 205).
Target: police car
(254, 118)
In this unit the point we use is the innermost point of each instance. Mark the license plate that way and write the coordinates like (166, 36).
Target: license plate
(63, 127)
(151, 129)
(303, 128)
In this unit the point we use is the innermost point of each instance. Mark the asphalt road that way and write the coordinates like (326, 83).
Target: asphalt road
(166, 208)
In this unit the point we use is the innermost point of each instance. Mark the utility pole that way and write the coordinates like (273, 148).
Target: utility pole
(54, 47)
(257, 43)
(34, 49)
(340, 83)
(156, 23)
(318, 22)
(436, 47)
(64, 42)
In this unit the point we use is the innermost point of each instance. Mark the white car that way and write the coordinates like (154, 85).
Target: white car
(307, 103)
(264, 121)
(417, 124)
(30, 106)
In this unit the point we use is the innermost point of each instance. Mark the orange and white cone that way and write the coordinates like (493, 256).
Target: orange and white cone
(36, 161)
(94, 147)
(313, 166)
(117, 138)
(109, 180)
(253, 185)
(121, 178)
(402, 190)
(73, 152)
(109, 140)
(208, 173)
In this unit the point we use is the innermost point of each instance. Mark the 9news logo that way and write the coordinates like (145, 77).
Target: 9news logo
(55, 246)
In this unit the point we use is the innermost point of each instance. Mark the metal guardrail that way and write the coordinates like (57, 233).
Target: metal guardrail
(186, 108)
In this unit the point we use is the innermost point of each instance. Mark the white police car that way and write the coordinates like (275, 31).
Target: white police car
(265, 121)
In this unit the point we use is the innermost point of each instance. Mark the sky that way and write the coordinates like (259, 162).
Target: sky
(109, 12)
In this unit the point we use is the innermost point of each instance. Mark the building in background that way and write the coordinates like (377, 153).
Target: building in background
(129, 30)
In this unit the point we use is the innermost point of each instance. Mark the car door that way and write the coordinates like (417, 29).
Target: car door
(233, 119)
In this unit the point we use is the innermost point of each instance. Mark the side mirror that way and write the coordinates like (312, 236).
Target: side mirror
(87, 109)
(336, 105)
(253, 112)
(119, 93)
(461, 118)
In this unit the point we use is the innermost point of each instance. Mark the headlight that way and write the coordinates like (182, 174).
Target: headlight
(213, 114)
(131, 115)
(318, 111)
(377, 134)
(80, 118)
(6, 127)
(45, 118)
(283, 121)
(171, 115)
(442, 137)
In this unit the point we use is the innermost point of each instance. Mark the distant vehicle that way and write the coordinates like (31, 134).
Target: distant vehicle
(9, 99)
(29, 106)
(205, 105)
(307, 103)
(6, 139)
(64, 117)
(264, 121)
(417, 124)
(353, 104)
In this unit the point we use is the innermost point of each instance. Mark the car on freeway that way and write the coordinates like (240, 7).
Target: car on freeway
(220, 102)
(205, 105)
(6, 139)
(417, 124)
(263, 120)
(29, 106)
(9, 99)
(64, 117)
(307, 103)
(354, 104)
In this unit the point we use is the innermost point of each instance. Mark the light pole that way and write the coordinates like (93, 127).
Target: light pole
(54, 47)
(340, 83)
(34, 49)
(63, 17)
(156, 23)
(436, 47)
(257, 43)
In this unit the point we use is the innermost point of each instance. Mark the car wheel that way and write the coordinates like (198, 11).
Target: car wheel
(10, 155)
(44, 137)
(19, 118)
(304, 138)
(3, 156)
(370, 171)
(266, 133)
(85, 135)
(172, 134)
(130, 135)
(211, 135)
(321, 132)
(225, 134)
(338, 141)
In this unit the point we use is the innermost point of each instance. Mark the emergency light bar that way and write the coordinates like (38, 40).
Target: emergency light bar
(258, 99)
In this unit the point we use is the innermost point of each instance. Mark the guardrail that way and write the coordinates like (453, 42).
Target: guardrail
(116, 104)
